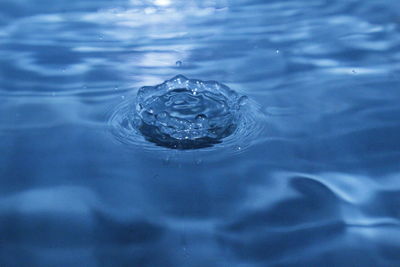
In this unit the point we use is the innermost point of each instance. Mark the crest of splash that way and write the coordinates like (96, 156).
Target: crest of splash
(186, 114)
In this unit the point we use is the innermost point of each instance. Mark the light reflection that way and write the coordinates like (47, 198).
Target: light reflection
(159, 59)
(162, 2)
(164, 20)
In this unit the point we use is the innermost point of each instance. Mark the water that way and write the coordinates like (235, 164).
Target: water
(184, 113)
(308, 175)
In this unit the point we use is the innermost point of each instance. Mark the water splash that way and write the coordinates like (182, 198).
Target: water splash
(185, 114)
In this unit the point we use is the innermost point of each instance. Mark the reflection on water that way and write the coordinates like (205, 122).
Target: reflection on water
(318, 182)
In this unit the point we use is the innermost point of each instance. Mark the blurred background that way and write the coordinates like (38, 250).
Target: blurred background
(320, 186)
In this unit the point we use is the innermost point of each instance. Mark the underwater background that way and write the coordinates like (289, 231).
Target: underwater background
(313, 180)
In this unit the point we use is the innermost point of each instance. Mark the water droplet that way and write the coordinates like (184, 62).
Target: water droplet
(354, 71)
(243, 100)
(178, 63)
(122, 96)
(277, 51)
(201, 117)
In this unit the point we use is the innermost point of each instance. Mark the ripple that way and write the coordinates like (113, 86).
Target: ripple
(187, 114)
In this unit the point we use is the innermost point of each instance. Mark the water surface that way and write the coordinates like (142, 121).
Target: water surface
(318, 185)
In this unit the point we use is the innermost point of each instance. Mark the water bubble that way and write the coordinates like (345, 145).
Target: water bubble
(178, 63)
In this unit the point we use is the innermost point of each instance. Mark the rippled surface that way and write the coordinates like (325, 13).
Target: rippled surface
(316, 182)
(184, 113)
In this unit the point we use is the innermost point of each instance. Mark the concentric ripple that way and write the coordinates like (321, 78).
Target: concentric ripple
(185, 114)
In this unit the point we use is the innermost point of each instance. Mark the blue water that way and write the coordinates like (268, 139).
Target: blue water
(307, 174)
(185, 114)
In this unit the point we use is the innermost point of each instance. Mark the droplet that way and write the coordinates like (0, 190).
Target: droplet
(243, 100)
(277, 51)
(201, 117)
(178, 63)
